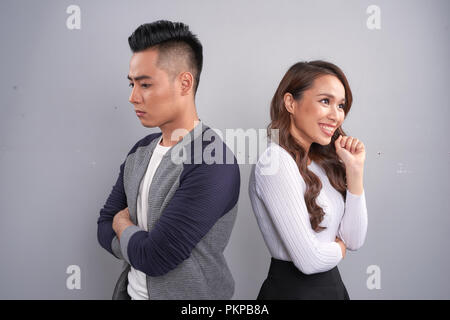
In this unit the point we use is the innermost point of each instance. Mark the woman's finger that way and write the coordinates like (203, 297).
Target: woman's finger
(348, 143)
(343, 141)
(353, 145)
(360, 146)
(337, 143)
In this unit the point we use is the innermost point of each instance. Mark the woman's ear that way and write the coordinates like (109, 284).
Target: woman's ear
(289, 102)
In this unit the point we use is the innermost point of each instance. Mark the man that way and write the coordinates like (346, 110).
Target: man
(171, 212)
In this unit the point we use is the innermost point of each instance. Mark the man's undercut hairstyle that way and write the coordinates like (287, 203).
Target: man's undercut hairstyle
(177, 47)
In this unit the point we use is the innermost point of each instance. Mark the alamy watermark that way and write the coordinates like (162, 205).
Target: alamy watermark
(73, 22)
(73, 281)
(374, 279)
(374, 20)
(243, 147)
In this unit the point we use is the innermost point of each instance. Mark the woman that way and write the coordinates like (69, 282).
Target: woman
(306, 189)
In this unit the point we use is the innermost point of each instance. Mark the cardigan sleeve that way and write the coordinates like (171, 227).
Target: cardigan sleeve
(205, 194)
(282, 192)
(116, 202)
(353, 227)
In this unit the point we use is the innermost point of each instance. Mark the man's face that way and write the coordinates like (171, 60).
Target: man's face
(153, 91)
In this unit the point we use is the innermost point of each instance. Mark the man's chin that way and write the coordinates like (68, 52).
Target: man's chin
(149, 124)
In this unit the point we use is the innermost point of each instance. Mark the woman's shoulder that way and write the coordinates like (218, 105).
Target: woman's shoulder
(276, 168)
(275, 158)
(271, 150)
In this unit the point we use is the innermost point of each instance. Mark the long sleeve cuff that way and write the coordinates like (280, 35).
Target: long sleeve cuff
(125, 238)
(354, 222)
(355, 196)
(115, 247)
(339, 250)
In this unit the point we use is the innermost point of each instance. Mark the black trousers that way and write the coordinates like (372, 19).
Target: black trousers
(285, 281)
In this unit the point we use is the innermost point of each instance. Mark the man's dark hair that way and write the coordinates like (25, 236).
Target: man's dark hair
(173, 40)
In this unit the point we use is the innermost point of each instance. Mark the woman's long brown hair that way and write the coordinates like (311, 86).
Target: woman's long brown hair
(298, 78)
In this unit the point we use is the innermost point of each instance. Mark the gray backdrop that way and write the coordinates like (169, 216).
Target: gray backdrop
(66, 126)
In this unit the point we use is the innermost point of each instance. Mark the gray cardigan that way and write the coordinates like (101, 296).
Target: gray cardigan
(192, 210)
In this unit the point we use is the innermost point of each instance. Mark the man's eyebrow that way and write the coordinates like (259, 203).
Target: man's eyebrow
(138, 78)
(329, 95)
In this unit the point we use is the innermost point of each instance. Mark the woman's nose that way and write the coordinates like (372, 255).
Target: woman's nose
(334, 113)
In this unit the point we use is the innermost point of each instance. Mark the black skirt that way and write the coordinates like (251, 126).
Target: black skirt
(285, 281)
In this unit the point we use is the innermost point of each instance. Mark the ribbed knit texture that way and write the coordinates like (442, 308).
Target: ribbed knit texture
(277, 198)
(192, 207)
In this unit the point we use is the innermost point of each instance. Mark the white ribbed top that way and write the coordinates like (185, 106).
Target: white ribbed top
(277, 190)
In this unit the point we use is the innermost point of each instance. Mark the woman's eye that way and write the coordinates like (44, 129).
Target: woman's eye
(342, 105)
(326, 100)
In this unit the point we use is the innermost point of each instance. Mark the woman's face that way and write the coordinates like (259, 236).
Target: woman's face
(320, 111)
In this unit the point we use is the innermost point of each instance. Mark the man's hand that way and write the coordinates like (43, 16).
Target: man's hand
(343, 247)
(121, 221)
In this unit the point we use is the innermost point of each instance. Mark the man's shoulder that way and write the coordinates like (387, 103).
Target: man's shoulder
(211, 159)
(145, 141)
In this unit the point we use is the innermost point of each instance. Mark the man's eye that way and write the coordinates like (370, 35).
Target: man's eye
(131, 85)
(145, 85)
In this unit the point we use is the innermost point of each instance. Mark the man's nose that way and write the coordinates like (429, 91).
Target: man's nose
(134, 96)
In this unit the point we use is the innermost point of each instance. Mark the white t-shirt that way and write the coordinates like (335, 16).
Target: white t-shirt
(137, 280)
(277, 197)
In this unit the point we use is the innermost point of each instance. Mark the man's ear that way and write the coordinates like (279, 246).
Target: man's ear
(289, 102)
(187, 82)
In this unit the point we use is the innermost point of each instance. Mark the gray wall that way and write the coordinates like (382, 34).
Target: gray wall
(66, 126)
